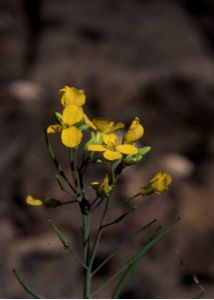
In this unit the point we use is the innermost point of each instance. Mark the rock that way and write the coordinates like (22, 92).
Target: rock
(177, 165)
(31, 95)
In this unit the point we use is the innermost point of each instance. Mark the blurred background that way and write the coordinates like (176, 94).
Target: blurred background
(152, 59)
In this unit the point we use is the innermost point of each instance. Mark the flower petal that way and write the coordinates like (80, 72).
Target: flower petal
(135, 132)
(95, 185)
(54, 128)
(117, 126)
(88, 122)
(112, 155)
(161, 181)
(72, 114)
(33, 201)
(71, 137)
(106, 126)
(106, 180)
(127, 149)
(72, 96)
(111, 139)
(102, 124)
(96, 148)
(103, 188)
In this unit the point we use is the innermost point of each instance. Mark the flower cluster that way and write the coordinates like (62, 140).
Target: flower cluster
(103, 137)
(103, 141)
(90, 141)
(72, 117)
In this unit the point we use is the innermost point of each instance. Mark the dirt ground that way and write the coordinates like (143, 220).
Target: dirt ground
(152, 59)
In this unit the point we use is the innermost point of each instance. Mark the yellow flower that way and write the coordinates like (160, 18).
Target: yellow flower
(100, 127)
(158, 184)
(54, 128)
(43, 201)
(102, 189)
(135, 132)
(72, 96)
(33, 201)
(71, 135)
(106, 126)
(112, 149)
(89, 122)
(103, 126)
(161, 181)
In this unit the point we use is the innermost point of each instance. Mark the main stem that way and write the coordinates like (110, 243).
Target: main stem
(89, 257)
(86, 234)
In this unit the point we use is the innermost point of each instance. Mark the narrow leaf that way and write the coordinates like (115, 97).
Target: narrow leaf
(60, 183)
(138, 256)
(65, 244)
(59, 235)
(120, 218)
(56, 162)
(131, 237)
(26, 287)
(53, 156)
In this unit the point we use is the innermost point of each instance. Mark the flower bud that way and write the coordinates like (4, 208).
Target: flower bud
(58, 116)
(135, 132)
(136, 158)
(72, 96)
(102, 189)
(42, 201)
(158, 184)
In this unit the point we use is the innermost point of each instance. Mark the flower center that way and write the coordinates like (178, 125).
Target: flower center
(111, 146)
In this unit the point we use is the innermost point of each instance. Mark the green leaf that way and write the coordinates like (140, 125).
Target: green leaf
(53, 156)
(120, 218)
(58, 117)
(131, 264)
(136, 158)
(198, 296)
(26, 287)
(60, 182)
(131, 237)
(65, 244)
(84, 127)
(56, 162)
(144, 150)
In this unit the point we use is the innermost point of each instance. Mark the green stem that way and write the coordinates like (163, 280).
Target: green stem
(77, 175)
(60, 183)
(99, 232)
(86, 236)
(100, 200)
(56, 163)
(103, 219)
(69, 202)
(60, 236)
(94, 201)
(198, 296)
(26, 287)
(126, 200)
(109, 280)
(85, 162)
(124, 243)
(81, 184)
(120, 218)
(131, 264)
(73, 167)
